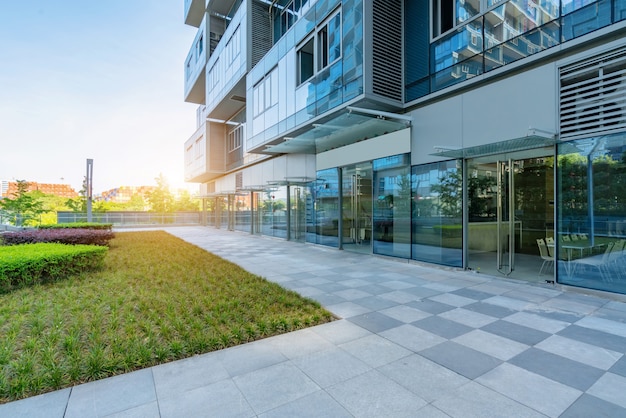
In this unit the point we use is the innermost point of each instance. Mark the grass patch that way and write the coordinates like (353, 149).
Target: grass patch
(157, 299)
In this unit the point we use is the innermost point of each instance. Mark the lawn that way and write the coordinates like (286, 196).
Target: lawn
(157, 299)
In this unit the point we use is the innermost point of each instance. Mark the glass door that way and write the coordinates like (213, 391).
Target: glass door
(510, 208)
(357, 208)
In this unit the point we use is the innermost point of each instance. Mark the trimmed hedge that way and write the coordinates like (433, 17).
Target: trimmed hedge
(72, 236)
(25, 265)
(78, 225)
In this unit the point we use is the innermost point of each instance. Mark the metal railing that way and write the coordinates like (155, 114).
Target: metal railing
(132, 218)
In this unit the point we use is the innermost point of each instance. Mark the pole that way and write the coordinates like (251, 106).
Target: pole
(89, 179)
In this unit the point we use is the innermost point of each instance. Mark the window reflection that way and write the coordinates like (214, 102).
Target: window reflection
(437, 213)
(591, 225)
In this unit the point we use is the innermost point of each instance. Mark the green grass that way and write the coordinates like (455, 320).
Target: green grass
(157, 299)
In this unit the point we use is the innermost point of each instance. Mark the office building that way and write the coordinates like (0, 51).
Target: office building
(478, 134)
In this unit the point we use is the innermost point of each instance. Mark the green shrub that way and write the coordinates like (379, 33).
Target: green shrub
(79, 225)
(28, 264)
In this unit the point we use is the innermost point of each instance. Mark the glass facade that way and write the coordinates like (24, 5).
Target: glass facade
(504, 32)
(323, 226)
(437, 213)
(591, 219)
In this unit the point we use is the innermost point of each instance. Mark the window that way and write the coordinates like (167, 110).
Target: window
(305, 62)
(266, 92)
(198, 148)
(235, 138)
(321, 50)
(233, 47)
(443, 16)
(200, 47)
(213, 77)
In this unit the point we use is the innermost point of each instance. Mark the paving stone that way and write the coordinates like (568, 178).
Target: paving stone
(591, 355)
(430, 306)
(461, 359)
(594, 337)
(317, 404)
(610, 387)
(516, 332)
(375, 321)
(499, 347)
(48, 405)
(590, 406)
(375, 350)
(442, 326)
(331, 366)
(489, 309)
(560, 369)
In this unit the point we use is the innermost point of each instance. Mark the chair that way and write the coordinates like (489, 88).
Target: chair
(600, 262)
(550, 245)
(544, 254)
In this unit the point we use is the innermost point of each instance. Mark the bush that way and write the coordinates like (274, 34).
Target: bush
(25, 265)
(72, 236)
(79, 225)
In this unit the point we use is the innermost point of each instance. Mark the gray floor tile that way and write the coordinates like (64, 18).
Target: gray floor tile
(347, 309)
(48, 405)
(149, 410)
(399, 296)
(516, 332)
(183, 375)
(421, 292)
(461, 359)
(274, 386)
(538, 322)
(555, 314)
(604, 325)
(591, 355)
(491, 344)
(430, 306)
(508, 302)
(249, 357)
(472, 294)
(489, 309)
(412, 338)
(374, 395)
(560, 369)
(427, 379)
(299, 343)
(619, 367)
(375, 303)
(594, 337)
(111, 395)
(404, 313)
(589, 406)
(375, 350)
(375, 321)
(352, 294)
(466, 317)
(328, 299)
(330, 367)
(610, 387)
(443, 327)
(221, 399)
(341, 331)
(318, 404)
(537, 392)
(451, 299)
(476, 401)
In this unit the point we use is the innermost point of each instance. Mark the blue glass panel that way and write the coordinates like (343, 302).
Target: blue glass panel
(619, 12)
(591, 218)
(459, 45)
(417, 48)
(437, 213)
(391, 229)
(457, 73)
(587, 19)
(325, 193)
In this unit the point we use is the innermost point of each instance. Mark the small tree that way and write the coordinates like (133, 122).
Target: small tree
(23, 208)
(79, 204)
(161, 199)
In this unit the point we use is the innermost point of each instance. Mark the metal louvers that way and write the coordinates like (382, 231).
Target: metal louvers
(593, 96)
(261, 32)
(238, 180)
(387, 49)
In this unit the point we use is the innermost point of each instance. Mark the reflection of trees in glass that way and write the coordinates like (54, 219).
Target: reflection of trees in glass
(449, 193)
(533, 191)
(573, 184)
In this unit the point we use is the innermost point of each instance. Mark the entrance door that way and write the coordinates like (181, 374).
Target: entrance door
(510, 199)
(357, 208)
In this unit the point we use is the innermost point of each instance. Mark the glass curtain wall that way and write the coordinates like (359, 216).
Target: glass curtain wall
(298, 198)
(324, 226)
(591, 220)
(356, 203)
(437, 213)
(242, 212)
(392, 206)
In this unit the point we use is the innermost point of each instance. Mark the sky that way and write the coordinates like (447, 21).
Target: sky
(99, 80)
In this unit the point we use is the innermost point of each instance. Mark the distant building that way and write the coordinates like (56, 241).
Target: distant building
(123, 194)
(9, 188)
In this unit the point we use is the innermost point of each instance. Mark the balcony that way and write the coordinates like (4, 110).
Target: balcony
(204, 154)
(194, 12)
(195, 68)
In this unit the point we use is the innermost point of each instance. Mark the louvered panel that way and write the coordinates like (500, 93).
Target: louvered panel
(261, 31)
(593, 96)
(387, 48)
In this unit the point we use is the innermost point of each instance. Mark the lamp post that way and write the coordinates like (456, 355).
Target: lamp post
(89, 180)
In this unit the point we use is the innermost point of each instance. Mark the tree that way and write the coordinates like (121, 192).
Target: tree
(79, 204)
(185, 202)
(23, 208)
(161, 199)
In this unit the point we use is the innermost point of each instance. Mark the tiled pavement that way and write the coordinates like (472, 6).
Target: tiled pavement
(413, 341)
